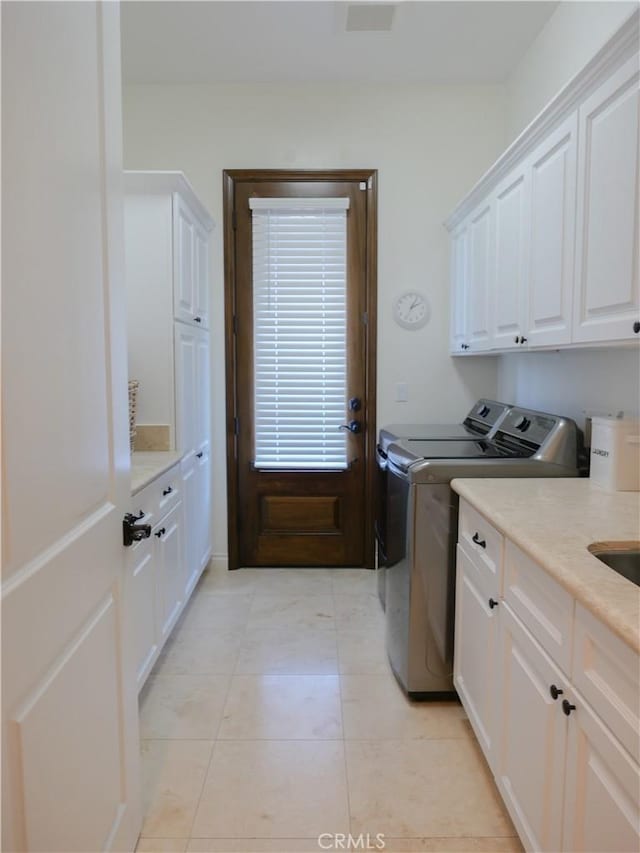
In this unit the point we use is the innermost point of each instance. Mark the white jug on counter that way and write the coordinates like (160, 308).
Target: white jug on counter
(615, 454)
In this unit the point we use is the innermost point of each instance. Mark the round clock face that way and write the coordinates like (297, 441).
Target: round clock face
(411, 310)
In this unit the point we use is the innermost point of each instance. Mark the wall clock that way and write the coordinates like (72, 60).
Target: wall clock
(411, 310)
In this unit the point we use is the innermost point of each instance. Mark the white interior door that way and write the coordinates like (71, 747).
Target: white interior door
(69, 732)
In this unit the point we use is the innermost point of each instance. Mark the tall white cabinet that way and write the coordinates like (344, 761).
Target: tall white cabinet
(167, 234)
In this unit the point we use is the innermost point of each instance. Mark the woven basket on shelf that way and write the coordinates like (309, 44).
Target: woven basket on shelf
(133, 399)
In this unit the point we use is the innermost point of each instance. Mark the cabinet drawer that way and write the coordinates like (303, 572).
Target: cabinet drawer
(159, 497)
(543, 606)
(607, 673)
(483, 544)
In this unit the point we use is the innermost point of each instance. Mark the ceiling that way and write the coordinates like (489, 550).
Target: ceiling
(277, 41)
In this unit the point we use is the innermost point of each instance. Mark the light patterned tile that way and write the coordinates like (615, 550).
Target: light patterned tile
(162, 845)
(282, 707)
(288, 651)
(375, 708)
(418, 788)
(183, 706)
(361, 651)
(223, 582)
(452, 845)
(207, 653)
(173, 772)
(213, 614)
(293, 582)
(274, 789)
(354, 582)
(359, 611)
(254, 845)
(297, 611)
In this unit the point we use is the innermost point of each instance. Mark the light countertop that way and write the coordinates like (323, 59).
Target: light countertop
(148, 464)
(554, 521)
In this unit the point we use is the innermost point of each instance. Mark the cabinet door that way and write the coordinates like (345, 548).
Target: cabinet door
(143, 606)
(203, 479)
(192, 513)
(511, 248)
(531, 736)
(602, 788)
(607, 293)
(186, 361)
(201, 277)
(169, 560)
(459, 272)
(474, 669)
(480, 282)
(202, 391)
(552, 236)
(184, 291)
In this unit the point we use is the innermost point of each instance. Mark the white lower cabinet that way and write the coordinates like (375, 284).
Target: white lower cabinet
(531, 735)
(168, 556)
(602, 788)
(567, 774)
(141, 579)
(476, 656)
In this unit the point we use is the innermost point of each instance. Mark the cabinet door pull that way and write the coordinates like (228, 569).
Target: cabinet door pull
(167, 491)
(481, 542)
(567, 707)
(636, 327)
(161, 532)
(492, 603)
(200, 455)
(555, 692)
(516, 340)
(197, 319)
(523, 340)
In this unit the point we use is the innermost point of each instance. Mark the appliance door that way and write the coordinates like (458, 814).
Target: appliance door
(381, 523)
(398, 580)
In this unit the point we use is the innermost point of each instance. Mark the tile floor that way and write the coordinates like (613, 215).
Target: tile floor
(272, 717)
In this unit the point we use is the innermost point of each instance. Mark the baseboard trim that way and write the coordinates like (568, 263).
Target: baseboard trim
(219, 561)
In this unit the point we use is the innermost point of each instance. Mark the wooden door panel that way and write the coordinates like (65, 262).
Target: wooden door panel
(302, 517)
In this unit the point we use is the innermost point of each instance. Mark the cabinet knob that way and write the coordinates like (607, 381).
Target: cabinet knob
(200, 455)
(161, 532)
(523, 340)
(476, 538)
(555, 692)
(492, 603)
(636, 327)
(567, 707)
(516, 340)
(167, 491)
(197, 319)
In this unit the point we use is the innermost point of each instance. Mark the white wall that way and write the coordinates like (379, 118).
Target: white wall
(571, 36)
(429, 144)
(572, 381)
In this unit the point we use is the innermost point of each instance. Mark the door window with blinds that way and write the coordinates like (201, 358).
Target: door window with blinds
(299, 332)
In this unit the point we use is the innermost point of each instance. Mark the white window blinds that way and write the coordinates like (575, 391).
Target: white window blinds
(299, 329)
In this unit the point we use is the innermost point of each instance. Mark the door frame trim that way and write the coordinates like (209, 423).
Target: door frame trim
(231, 177)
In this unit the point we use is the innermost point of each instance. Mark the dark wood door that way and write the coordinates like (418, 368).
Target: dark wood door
(290, 515)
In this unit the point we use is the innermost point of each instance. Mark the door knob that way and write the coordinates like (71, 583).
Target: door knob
(132, 531)
(352, 426)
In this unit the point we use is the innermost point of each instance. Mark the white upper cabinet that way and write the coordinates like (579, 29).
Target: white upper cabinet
(607, 295)
(551, 237)
(459, 275)
(552, 249)
(508, 316)
(201, 278)
(480, 278)
(184, 289)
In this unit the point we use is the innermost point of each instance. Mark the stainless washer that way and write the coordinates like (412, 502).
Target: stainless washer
(423, 527)
(482, 419)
